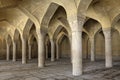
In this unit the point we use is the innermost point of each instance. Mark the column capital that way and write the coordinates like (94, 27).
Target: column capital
(77, 17)
(14, 42)
(107, 33)
(8, 44)
(92, 37)
(23, 40)
(77, 23)
(107, 30)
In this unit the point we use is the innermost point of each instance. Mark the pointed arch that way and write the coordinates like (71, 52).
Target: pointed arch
(58, 30)
(99, 30)
(63, 44)
(83, 6)
(30, 16)
(60, 36)
(91, 26)
(48, 15)
(17, 35)
(9, 39)
(47, 39)
(31, 36)
(27, 28)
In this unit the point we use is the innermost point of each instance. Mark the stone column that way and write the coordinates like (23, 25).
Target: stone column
(46, 51)
(57, 51)
(24, 60)
(76, 43)
(29, 54)
(14, 51)
(41, 52)
(8, 52)
(108, 48)
(92, 49)
(77, 52)
(52, 50)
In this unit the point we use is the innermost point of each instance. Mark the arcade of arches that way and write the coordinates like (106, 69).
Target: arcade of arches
(52, 30)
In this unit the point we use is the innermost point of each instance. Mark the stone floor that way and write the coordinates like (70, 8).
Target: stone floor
(58, 70)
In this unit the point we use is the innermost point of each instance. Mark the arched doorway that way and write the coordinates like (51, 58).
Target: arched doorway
(115, 44)
(100, 45)
(85, 46)
(64, 47)
(18, 43)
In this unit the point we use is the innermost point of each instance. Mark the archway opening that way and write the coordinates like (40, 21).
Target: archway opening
(2, 47)
(34, 46)
(90, 28)
(64, 49)
(19, 48)
(47, 47)
(100, 45)
(85, 46)
(9, 43)
(18, 43)
(115, 44)
(32, 43)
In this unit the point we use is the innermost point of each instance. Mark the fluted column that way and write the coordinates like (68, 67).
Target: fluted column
(52, 50)
(24, 60)
(46, 51)
(8, 52)
(92, 49)
(108, 47)
(41, 52)
(29, 54)
(14, 51)
(57, 51)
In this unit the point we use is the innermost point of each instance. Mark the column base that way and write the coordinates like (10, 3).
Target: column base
(24, 62)
(77, 69)
(7, 59)
(57, 58)
(30, 58)
(52, 60)
(92, 60)
(14, 60)
(41, 66)
(109, 66)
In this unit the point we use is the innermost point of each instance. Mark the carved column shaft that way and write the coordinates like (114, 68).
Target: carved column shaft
(14, 51)
(8, 52)
(108, 47)
(77, 52)
(24, 60)
(30, 54)
(52, 50)
(57, 51)
(92, 49)
(41, 51)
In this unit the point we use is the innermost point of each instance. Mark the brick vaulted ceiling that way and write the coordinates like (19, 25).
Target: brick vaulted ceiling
(104, 11)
